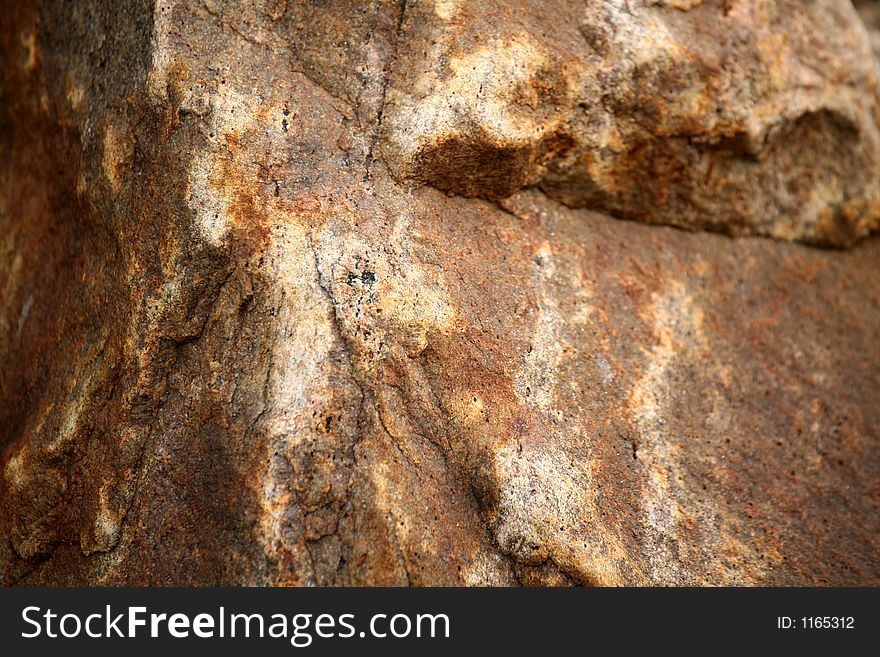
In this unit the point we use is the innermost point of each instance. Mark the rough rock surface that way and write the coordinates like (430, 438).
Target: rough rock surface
(239, 345)
(744, 116)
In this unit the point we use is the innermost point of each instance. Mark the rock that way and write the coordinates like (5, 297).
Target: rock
(239, 346)
(869, 11)
(741, 116)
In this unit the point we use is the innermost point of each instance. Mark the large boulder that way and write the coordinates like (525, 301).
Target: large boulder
(253, 330)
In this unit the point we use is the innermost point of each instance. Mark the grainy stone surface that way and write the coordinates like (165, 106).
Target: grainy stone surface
(239, 344)
(743, 116)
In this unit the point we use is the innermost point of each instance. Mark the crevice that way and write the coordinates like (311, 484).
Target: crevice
(33, 565)
(148, 441)
(390, 67)
(347, 103)
(396, 443)
(610, 214)
(220, 18)
(338, 331)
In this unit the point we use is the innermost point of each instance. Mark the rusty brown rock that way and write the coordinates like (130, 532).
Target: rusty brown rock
(234, 348)
(741, 116)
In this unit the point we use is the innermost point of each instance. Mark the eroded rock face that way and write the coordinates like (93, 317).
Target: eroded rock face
(238, 347)
(742, 116)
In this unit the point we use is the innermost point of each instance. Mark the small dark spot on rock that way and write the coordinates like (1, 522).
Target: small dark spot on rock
(368, 277)
(284, 124)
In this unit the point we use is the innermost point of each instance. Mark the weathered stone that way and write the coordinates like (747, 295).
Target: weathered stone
(235, 349)
(742, 116)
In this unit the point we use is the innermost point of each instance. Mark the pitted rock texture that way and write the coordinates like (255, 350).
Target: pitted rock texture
(238, 347)
(741, 116)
